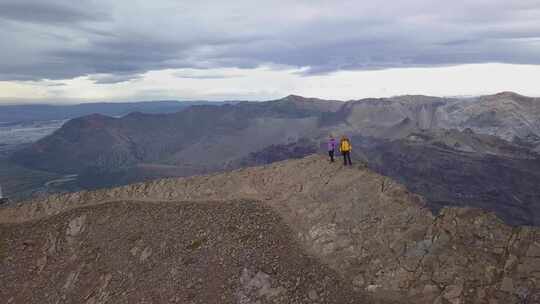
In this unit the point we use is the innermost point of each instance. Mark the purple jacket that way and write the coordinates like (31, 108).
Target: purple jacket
(331, 144)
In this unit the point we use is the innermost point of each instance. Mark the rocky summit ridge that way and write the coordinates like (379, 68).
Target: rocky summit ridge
(297, 231)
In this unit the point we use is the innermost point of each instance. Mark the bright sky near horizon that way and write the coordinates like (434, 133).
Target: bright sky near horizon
(59, 51)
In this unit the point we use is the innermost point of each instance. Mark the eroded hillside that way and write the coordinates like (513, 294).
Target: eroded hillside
(375, 239)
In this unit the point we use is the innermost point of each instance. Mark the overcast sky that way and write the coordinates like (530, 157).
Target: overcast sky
(77, 51)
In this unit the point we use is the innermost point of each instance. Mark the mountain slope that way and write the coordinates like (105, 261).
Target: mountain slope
(507, 115)
(119, 253)
(376, 235)
(452, 168)
(195, 134)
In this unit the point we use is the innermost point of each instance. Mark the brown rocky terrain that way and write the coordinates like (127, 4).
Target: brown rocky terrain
(134, 252)
(298, 231)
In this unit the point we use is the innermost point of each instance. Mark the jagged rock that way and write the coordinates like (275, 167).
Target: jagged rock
(256, 287)
(41, 263)
(507, 284)
(50, 245)
(510, 262)
(312, 294)
(453, 293)
(75, 226)
(430, 289)
(145, 254)
(534, 250)
(358, 281)
(373, 288)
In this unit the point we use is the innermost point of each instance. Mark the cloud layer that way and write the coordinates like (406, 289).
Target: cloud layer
(119, 40)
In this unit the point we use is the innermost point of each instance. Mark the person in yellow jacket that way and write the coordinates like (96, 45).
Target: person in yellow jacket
(345, 148)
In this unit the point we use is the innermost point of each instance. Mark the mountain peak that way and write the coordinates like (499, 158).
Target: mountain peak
(95, 120)
(311, 103)
(293, 97)
(95, 116)
(298, 98)
(508, 94)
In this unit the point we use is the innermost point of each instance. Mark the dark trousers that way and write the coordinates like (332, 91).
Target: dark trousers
(331, 154)
(347, 158)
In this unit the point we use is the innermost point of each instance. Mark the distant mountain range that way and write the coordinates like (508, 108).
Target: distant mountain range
(36, 112)
(454, 151)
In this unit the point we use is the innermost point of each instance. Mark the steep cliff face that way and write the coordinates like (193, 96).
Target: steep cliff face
(507, 115)
(375, 117)
(377, 239)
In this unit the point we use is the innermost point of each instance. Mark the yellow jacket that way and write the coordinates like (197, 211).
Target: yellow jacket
(345, 145)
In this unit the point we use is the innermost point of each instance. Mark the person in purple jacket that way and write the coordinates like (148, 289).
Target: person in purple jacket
(331, 148)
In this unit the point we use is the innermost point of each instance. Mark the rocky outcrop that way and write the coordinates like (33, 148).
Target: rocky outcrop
(374, 234)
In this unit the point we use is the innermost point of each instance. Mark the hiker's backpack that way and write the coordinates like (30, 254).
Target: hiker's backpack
(345, 145)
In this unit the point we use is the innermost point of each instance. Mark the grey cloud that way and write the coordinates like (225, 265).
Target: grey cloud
(54, 84)
(456, 42)
(48, 12)
(113, 78)
(59, 40)
(204, 76)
